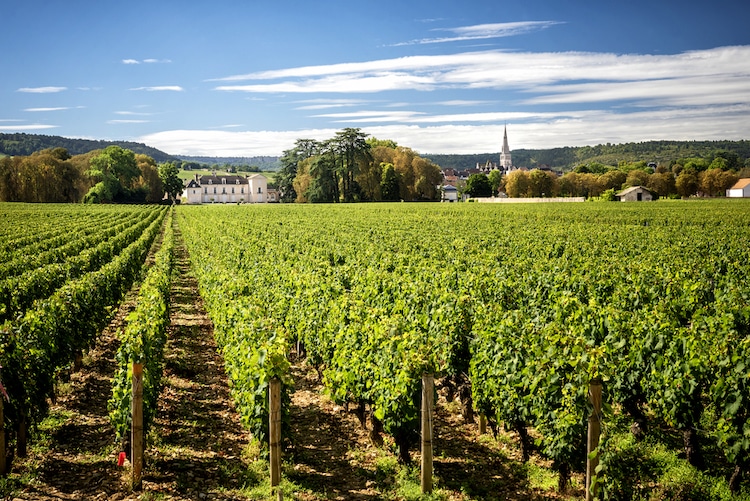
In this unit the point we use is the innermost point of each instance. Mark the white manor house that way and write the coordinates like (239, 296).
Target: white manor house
(229, 189)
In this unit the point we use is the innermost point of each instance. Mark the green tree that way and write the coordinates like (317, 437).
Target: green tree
(496, 180)
(389, 189)
(170, 178)
(478, 186)
(353, 152)
(290, 160)
(114, 169)
(323, 186)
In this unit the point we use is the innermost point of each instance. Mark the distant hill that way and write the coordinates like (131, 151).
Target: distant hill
(567, 158)
(264, 163)
(25, 144)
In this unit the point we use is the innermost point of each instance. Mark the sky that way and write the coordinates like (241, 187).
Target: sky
(248, 78)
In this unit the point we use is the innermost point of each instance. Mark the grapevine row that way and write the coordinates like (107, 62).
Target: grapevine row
(144, 339)
(525, 304)
(48, 336)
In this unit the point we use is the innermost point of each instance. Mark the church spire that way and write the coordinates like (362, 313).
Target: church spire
(505, 159)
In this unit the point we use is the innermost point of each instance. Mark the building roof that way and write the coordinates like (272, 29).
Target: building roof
(449, 187)
(741, 184)
(632, 189)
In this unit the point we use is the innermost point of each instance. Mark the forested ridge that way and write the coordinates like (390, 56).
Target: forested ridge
(568, 157)
(20, 144)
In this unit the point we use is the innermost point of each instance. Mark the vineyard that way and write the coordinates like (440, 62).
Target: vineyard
(515, 309)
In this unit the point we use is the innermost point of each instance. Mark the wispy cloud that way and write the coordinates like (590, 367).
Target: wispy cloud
(17, 128)
(322, 104)
(695, 78)
(128, 121)
(483, 32)
(59, 108)
(146, 61)
(373, 116)
(42, 90)
(158, 88)
(133, 113)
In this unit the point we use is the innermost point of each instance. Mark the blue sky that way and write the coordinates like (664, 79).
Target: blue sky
(245, 78)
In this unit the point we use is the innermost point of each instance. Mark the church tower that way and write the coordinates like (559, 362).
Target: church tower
(505, 161)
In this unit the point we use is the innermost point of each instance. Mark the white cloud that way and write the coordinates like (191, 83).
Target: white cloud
(128, 121)
(146, 61)
(525, 130)
(42, 90)
(17, 128)
(720, 75)
(133, 113)
(174, 88)
(59, 108)
(484, 31)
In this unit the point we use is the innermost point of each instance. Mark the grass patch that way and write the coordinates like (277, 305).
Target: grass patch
(649, 470)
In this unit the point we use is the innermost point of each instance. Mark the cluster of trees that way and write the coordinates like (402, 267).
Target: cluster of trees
(685, 177)
(352, 167)
(110, 175)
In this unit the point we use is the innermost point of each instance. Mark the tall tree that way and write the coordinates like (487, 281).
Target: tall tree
(353, 150)
(496, 180)
(303, 149)
(389, 189)
(170, 179)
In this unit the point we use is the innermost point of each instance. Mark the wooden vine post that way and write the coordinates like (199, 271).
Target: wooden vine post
(274, 434)
(592, 460)
(428, 385)
(137, 425)
(482, 424)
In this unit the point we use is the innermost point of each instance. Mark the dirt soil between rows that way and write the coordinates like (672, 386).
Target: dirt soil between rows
(197, 448)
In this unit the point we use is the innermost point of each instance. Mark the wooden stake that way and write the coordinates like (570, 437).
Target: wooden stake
(274, 434)
(137, 425)
(482, 424)
(21, 440)
(595, 395)
(428, 385)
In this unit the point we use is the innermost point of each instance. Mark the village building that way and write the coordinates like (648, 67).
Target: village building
(741, 189)
(227, 189)
(450, 193)
(635, 194)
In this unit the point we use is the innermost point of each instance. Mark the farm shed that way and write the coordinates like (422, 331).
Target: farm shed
(635, 194)
(741, 189)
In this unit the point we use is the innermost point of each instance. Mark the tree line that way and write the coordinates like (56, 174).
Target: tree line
(352, 167)
(683, 178)
(113, 174)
